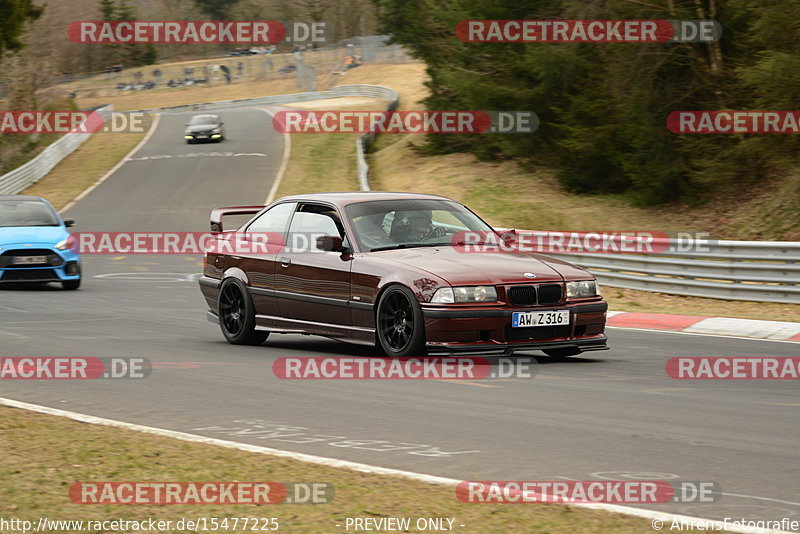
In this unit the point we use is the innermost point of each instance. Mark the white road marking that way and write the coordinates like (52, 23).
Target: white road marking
(344, 464)
(287, 149)
(201, 155)
(162, 277)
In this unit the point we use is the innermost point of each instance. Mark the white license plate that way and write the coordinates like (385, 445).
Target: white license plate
(202, 137)
(27, 260)
(540, 318)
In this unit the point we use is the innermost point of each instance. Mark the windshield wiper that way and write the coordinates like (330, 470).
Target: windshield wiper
(407, 245)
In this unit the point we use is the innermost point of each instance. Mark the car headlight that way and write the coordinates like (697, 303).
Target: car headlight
(584, 288)
(63, 245)
(449, 295)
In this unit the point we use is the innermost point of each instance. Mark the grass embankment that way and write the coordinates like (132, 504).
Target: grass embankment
(35, 480)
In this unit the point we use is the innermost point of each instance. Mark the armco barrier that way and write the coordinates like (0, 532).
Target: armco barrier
(28, 174)
(361, 90)
(763, 271)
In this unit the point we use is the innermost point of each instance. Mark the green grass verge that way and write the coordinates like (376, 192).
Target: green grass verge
(44, 455)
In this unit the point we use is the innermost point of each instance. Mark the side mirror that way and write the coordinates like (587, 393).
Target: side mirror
(329, 243)
(508, 237)
(69, 223)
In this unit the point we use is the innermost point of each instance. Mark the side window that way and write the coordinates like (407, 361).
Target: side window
(274, 220)
(311, 221)
(316, 223)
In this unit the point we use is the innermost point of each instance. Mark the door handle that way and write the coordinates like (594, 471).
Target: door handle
(285, 262)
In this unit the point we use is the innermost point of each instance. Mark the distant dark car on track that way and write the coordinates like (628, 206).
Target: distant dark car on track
(34, 243)
(204, 128)
(384, 270)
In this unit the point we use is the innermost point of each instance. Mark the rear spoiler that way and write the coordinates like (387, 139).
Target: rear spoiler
(218, 213)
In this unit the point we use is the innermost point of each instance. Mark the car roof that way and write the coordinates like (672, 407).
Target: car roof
(343, 198)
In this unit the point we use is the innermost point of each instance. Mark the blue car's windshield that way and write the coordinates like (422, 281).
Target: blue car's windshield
(26, 213)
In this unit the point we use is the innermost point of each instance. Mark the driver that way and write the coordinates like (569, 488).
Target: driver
(420, 226)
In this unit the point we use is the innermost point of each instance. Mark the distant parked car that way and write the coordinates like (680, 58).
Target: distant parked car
(34, 243)
(204, 128)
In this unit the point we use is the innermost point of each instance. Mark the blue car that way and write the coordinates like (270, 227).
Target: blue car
(35, 244)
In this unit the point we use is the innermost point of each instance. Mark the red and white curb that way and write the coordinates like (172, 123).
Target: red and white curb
(717, 326)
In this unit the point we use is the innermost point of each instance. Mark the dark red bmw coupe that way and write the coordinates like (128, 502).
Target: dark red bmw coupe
(387, 269)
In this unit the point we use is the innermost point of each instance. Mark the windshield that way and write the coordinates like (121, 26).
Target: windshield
(204, 119)
(386, 224)
(26, 213)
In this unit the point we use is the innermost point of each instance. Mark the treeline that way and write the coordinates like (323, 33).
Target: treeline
(603, 107)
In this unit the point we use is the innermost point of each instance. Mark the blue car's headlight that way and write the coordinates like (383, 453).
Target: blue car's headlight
(63, 245)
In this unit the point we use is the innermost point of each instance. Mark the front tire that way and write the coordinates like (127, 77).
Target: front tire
(400, 328)
(237, 317)
(71, 285)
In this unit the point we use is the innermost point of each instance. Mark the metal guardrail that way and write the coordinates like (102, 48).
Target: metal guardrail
(760, 271)
(362, 90)
(31, 172)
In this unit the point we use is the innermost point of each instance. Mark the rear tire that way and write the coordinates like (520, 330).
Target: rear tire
(237, 317)
(560, 354)
(399, 325)
(71, 284)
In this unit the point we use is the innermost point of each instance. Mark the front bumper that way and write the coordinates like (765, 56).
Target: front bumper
(61, 265)
(481, 330)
